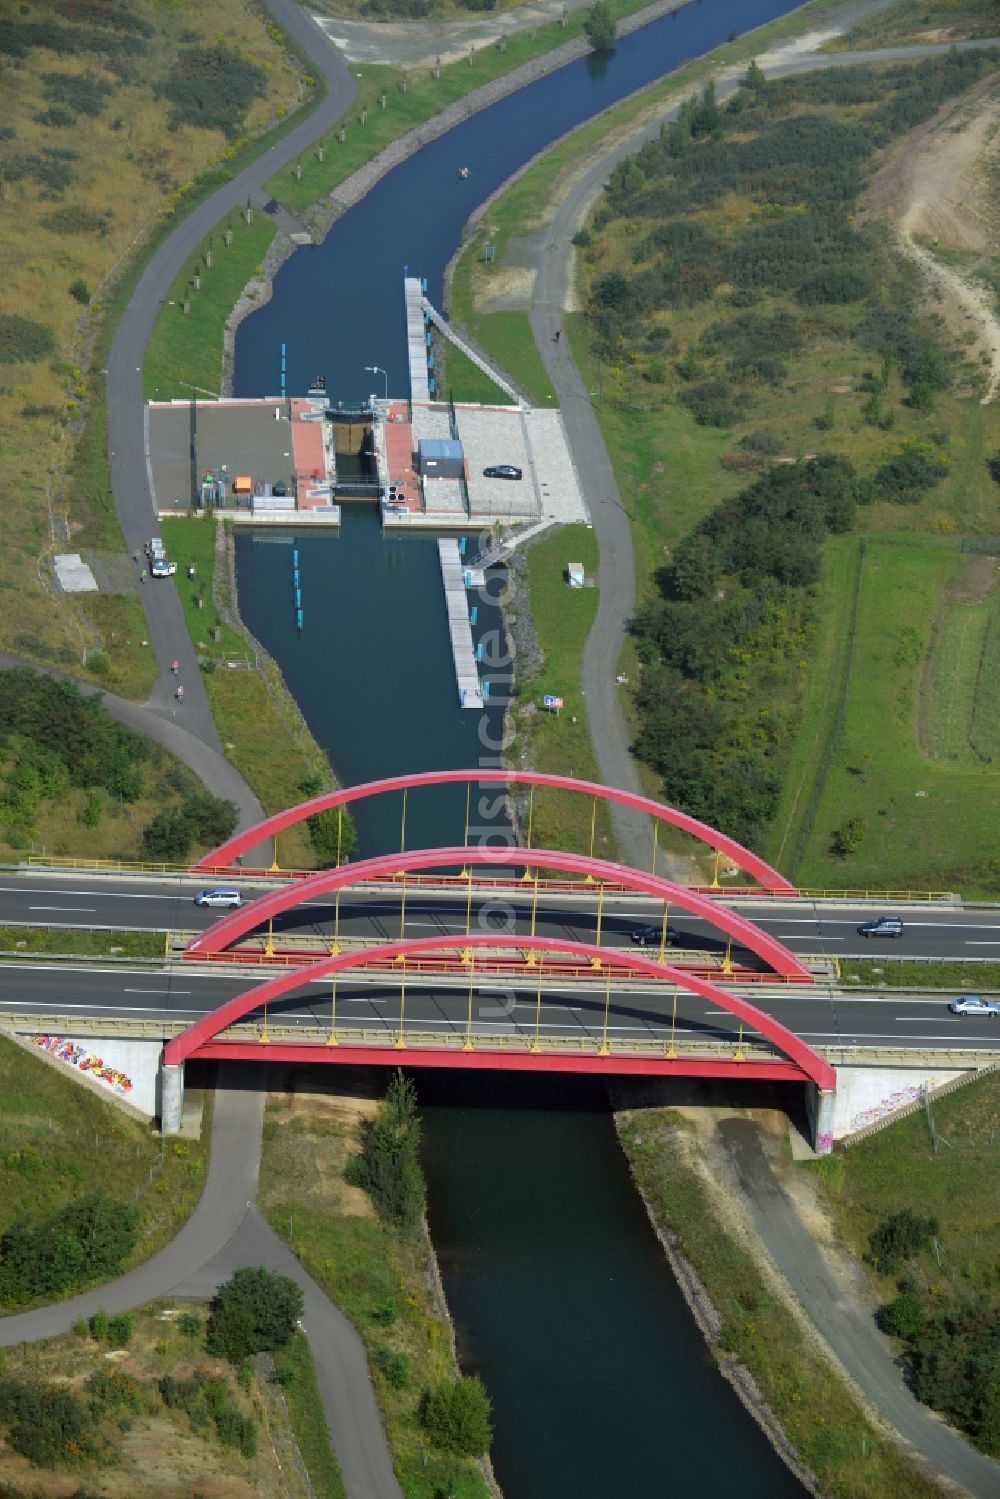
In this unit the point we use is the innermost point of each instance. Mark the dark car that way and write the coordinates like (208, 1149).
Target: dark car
(883, 926)
(502, 471)
(652, 936)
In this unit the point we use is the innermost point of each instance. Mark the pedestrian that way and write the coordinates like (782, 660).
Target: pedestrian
(558, 335)
(142, 576)
(135, 557)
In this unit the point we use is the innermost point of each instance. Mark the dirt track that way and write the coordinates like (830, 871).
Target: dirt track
(935, 187)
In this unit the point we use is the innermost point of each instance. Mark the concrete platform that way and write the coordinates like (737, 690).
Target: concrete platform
(245, 437)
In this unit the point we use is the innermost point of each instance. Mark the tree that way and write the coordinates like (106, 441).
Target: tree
(993, 465)
(333, 836)
(600, 27)
(848, 838)
(456, 1417)
(388, 1165)
(255, 1311)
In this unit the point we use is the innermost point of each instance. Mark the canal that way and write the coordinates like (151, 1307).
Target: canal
(601, 1383)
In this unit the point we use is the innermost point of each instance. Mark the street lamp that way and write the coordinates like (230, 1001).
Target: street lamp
(376, 369)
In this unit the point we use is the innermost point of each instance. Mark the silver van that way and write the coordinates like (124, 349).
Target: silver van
(221, 895)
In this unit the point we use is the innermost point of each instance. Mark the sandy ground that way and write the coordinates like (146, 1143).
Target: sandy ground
(935, 186)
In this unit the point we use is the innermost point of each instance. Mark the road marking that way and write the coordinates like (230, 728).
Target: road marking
(167, 993)
(972, 942)
(91, 910)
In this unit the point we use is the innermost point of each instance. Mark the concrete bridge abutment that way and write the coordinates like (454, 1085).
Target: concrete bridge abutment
(171, 1098)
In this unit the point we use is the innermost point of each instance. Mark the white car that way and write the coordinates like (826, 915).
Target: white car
(974, 1004)
(161, 568)
(220, 896)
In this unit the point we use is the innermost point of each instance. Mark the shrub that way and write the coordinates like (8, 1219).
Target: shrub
(79, 291)
(120, 1330)
(211, 88)
(456, 1417)
(904, 1317)
(253, 1312)
(848, 838)
(898, 1238)
(189, 1325)
(394, 1367)
(82, 93)
(86, 1240)
(22, 340)
(75, 218)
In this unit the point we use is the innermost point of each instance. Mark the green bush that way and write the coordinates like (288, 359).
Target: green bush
(120, 1330)
(898, 1238)
(904, 1316)
(394, 1367)
(83, 93)
(253, 1312)
(85, 1241)
(211, 88)
(22, 340)
(456, 1417)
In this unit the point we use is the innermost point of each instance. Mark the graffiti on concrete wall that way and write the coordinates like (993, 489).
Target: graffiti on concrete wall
(887, 1105)
(79, 1056)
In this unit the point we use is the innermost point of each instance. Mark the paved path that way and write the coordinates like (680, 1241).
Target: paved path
(846, 1323)
(126, 414)
(223, 1233)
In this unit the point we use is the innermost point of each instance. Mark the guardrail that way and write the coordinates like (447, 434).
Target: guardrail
(460, 880)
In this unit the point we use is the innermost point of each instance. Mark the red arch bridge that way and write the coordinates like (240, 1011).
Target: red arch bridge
(465, 1028)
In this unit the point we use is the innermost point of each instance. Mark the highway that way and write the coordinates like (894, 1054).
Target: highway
(179, 995)
(144, 903)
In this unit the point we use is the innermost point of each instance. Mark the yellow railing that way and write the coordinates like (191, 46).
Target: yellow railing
(911, 895)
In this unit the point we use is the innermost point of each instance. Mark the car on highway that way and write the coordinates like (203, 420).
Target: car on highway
(652, 936)
(974, 1004)
(882, 926)
(219, 896)
(502, 471)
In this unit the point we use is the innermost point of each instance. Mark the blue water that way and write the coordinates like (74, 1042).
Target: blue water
(339, 306)
(602, 1387)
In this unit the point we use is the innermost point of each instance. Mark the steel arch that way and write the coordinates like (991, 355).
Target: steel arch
(275, 902)
(226, 853)
(813, 1066)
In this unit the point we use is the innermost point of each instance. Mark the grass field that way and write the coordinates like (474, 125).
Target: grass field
(959, 1184)
(908, 973)
(380, 1280)
(922, 818)
(461, 380)
(562, 617)
(59, 1141)
(185, 351)
(818, 1412)
(82, 943)
(961, 723)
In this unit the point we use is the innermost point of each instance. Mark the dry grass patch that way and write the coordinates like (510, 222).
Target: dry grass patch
(82, 191)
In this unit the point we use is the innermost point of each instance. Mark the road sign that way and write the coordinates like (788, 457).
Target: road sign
(548, 701)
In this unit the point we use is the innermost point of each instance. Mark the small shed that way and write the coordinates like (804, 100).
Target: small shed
(441, 458)
(575, 574)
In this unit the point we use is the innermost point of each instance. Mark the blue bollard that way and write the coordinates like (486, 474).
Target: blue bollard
(462, 543)
(295, 556)
(486, 690)
(473, 614)
(298, 618)
(479, 651)
(298, 599)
